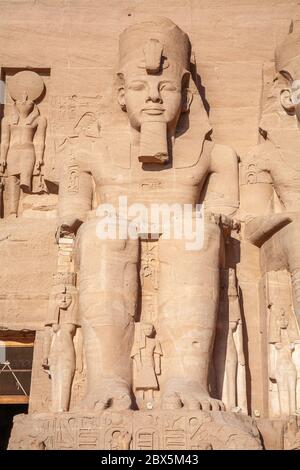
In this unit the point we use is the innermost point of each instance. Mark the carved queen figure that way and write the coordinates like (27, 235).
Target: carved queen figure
(163, 156)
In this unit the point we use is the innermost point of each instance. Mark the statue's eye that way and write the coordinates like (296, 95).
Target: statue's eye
(137, 85)
(168, 87)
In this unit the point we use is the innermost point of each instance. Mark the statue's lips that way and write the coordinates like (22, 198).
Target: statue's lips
(153, 111)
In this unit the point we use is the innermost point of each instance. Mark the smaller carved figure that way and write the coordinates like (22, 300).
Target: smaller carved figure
(282, 334)
(286, 378)
(59, 351)
(229, 351)
(146, 354)
(23, 137)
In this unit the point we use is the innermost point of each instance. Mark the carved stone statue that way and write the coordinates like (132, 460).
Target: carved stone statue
(283, 369)
(163, 156)
(271, 171)
(146, 354)
(23, 137)
(59, 352)
(230, 367)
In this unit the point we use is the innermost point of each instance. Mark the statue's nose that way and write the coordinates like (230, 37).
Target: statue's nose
(154, 95)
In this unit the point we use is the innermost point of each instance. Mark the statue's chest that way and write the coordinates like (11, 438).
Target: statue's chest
(150, 177)
(285, 174)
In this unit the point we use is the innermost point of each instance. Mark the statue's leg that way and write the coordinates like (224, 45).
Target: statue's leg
(13, 195)
(108, 286)
(26, 173)
(231, 373)
(283, 394)
(188, 302)
(292, 384)
(66, 366)
(54, 373)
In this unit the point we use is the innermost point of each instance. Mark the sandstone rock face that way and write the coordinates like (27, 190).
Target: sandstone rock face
(149, 212)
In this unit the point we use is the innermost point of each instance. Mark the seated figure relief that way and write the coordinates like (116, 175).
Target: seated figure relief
(160, 152)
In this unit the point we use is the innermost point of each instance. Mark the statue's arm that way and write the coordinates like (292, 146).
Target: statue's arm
(222, 195)
(39, 141)
(157, 358)
(272, 362)
(5, 138)
(47, 345)
(136, 357)
(157, 365)
(256, 182)
(238, 339)
(257, 194)
(74, 202)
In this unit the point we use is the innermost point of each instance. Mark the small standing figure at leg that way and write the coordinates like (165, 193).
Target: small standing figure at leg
(59, 351)
(146, 354)
(229, 347)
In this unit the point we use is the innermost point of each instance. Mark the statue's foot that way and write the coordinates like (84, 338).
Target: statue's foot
(113, 394)
(179, 393)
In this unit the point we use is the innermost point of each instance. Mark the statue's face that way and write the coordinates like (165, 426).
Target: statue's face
(25, 107)
(148, 330)
(152, 98)
(283, 321)
(64, 300)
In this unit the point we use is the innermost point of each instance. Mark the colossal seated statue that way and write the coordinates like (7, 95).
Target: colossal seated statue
(270, 193)
(273, 165)
(162, 154)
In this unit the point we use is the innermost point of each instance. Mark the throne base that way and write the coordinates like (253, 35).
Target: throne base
(135, 430)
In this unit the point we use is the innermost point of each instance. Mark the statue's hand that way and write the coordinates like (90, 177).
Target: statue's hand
(38, 165)
(45, 365)
(261, 228)
(67, 229)
(227, 223)
(63, 231)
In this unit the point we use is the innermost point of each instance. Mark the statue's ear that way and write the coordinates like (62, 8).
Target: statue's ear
(121, 98)
(121, 91)
(187, 98)
(187, 94)
(286, 101)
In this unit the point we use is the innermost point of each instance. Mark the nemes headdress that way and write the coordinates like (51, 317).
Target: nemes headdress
(153, 46)
(287, 54)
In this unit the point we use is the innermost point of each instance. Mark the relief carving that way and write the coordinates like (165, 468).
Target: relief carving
(146, 354)
(229, 358)
(59, 351)
(23, 138)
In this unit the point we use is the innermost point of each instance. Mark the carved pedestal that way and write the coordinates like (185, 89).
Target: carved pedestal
(135, 430)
